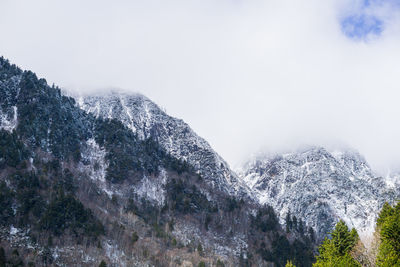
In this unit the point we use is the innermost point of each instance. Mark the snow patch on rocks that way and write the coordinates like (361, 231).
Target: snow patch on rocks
(115, 255)
(320, 187)
(153, 188)
(147, 120)
(17, 237)
(93, 156)
(9, 120)
(95, 165)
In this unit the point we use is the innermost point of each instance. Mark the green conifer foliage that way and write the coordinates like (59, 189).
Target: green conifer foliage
(336, 250)
(289, 264)
(388, 226)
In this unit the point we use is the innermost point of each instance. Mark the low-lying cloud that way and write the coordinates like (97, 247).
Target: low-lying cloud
(246, 75)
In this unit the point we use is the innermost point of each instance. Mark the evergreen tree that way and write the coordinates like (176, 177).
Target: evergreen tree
(3, 259)
(388, 227)
(135, 237)
(344, 240)
(294, 222)
(200, 249)
(220, 263)
(288, 221)
(336, 251)
(311, 233)
(15, 259)
(289, 264)
(301, 227)
(386, 212)
(103, 264)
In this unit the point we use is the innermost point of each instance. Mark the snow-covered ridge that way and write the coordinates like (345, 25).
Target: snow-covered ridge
(317, 185)
(147, 120)
(320, 187)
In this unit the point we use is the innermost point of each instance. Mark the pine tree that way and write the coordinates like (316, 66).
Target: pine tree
(288, 221)
(3, 259)
(336, 251)
(294, 222)
(301, 227)
(386, 212)
(344, 240)
(135, 237)
(103, 264)
(15, 259)
(220, 263)
(200, 249)
(388, 227)
(289, 264)
(311, 233)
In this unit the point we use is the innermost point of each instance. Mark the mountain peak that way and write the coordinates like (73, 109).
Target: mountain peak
(319, 186)
(147, 120)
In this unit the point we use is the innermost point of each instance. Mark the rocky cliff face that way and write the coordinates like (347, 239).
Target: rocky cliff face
(320, 187)
(124, 183)
(316, 185)
(147, 120)
(125, 170)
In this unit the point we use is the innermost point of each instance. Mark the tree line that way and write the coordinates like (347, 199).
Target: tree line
(344, 247)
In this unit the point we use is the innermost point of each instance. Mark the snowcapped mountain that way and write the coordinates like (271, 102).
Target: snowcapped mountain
(320, 187)
(129, 179)
(316, 185)
(147, 120)
(77, 189)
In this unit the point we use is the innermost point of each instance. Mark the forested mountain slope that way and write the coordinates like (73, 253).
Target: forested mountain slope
(77, 188)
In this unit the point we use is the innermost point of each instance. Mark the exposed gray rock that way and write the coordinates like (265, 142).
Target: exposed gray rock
(320, 187)
(147, 120)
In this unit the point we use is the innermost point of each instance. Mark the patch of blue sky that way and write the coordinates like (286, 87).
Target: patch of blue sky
(364, 23)
(367, 3)
(361, 27)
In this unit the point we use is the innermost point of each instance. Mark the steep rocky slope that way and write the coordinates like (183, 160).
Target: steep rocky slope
(147, 120)
(320, 187)
(76, 189)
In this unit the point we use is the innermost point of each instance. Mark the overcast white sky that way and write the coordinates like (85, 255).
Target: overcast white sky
(246, 75)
